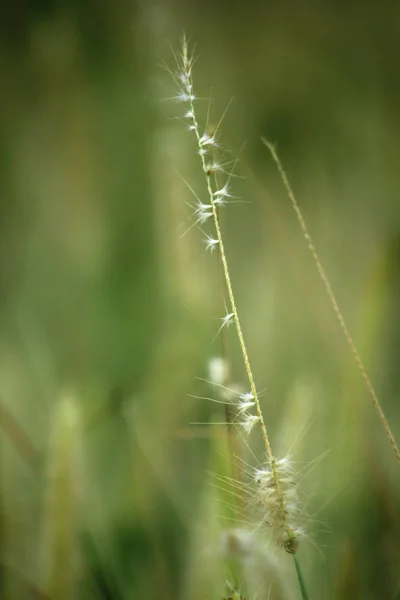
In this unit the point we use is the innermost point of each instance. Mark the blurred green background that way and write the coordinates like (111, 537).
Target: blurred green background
(103, 301)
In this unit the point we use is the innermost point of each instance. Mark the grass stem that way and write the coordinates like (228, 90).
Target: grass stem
(332, 299)
(300, 579)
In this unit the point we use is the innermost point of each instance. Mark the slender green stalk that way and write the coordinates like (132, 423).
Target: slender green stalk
(333, 301)
(272, 477)
(300, 579)
(229, 287)
(60, 548)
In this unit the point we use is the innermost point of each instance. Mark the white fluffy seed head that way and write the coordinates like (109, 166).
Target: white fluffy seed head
(211, 243)
(187, 60)
(220, 201)
(184, 79)
(201, 207)
(237, 543)
(244, 406)
(258, 564)
(203, 216)
(277, 496)
(218, 370)
(228, 319)
(213, 168)
(184, 96)
(244, 401)
(223, 192)
(246, 396)
(248, 423)
(208, 140)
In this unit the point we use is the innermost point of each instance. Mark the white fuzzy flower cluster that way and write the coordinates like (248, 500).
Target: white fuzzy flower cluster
(207, 144)
(247, 420)
(241, 403)
(277, 495)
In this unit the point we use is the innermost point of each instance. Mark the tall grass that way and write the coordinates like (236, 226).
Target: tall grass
(101, 294)
(275, 478)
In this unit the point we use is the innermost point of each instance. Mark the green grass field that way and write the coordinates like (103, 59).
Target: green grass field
(115, 483)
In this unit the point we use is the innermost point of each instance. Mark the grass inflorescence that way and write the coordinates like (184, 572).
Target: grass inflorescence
(275, 479)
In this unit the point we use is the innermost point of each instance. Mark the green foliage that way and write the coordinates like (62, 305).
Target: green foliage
(100, 294)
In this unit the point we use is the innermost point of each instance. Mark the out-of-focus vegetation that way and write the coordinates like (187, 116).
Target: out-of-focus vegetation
(103, 302)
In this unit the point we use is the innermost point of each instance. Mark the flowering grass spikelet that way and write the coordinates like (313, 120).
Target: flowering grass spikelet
(208, 140)
(204, 216)
(280, 506)
(201, 208)
(213, 168)
(227, 320)
(223, 192)
(249, 422)
(246, 396)
(244, 406)
(185, 97)
(220, 201)
(211, 243)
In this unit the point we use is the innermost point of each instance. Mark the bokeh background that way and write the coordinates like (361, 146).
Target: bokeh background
(108, 314)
